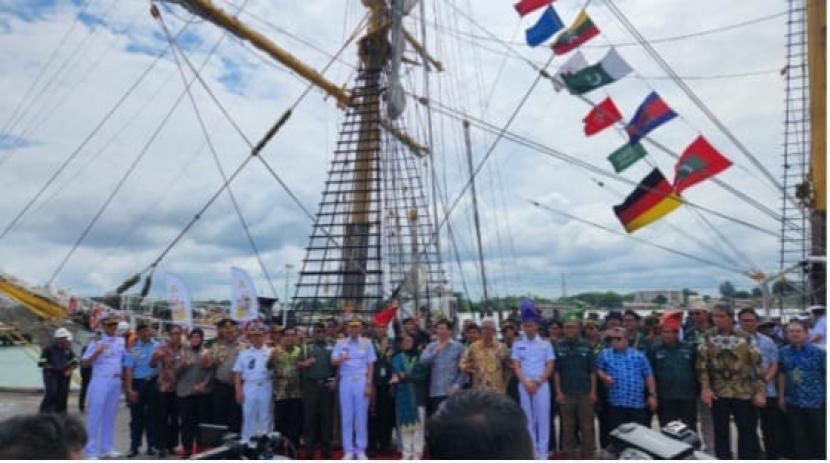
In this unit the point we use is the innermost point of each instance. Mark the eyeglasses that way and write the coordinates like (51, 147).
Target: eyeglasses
(616, 338)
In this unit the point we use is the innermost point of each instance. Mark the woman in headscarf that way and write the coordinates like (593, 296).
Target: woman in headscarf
(410, 398)
(192, 389)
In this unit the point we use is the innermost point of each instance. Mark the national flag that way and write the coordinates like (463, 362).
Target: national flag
(699, 161)
(604, 115)
(652, 199)
(610, 69)
(581, 31)
(652, 113)
(626, 156)
(575, 63)
(548, 24)
(527, 6)
(386, 315)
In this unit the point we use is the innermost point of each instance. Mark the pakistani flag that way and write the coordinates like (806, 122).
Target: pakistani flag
(610, 69)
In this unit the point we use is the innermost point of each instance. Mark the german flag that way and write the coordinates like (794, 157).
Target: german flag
(652, 199)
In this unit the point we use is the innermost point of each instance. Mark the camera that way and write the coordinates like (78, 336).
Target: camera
(675, 441)
(262, 447)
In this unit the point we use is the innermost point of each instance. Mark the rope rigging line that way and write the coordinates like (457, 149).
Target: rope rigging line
(145, 149)
(695, 99)
(215, 156)
(86, 140)
(739, 194)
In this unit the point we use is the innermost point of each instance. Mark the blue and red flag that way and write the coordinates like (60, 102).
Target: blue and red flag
(652, 113)
(548, 24)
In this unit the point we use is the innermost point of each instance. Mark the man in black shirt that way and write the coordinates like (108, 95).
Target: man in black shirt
(57, 361)
(317, 377)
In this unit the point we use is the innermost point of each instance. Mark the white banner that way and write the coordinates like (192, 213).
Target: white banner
(244, 303)
(178, 296)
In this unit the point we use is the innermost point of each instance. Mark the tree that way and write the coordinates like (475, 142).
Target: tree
(660, 299)
(742, 294)
(686, 293)
(756, 292)
(707, 298)
(727, 289)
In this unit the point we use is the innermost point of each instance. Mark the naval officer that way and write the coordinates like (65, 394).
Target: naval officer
(533, 363)
(355, 356)
(106, 357)
(252, 382)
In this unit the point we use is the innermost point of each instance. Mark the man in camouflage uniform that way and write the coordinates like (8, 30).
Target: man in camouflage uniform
(221, 358)
(288, 404)
(732, 383)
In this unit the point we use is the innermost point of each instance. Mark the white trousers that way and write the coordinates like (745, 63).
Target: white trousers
(537, 411)
(412, 440)
(256, 409)
(104, 394)
(354, 414)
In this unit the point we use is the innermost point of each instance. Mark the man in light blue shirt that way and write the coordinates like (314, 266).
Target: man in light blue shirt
(355, 357)
(442, 357)
(533, 361)
(140, 381)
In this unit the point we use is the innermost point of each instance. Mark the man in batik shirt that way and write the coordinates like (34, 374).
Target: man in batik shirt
(486, 360)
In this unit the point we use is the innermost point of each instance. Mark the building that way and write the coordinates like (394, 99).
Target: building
(673, 297)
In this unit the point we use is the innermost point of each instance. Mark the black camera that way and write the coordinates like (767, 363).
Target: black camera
(263, 447)
(675, 441)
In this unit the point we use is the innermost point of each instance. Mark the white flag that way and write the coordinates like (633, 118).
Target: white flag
(178, 296)
(244, 304)
(575, 63)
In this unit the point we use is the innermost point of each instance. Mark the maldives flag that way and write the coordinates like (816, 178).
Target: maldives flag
(652, 113)
(604, 115)
(652, 200)
(581, 31)
(526, 6)
(699, 161)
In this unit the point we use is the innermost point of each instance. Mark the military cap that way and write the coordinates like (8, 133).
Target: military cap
(699, 306)
(110, 319)
(590, 321)
(573, 316)
(255, 326)
(225, 322)
(355, 322)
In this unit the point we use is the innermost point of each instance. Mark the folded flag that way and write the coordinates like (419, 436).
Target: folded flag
(581, 31)
(575, 63)
(699, 161)
(604, 115)
(548, 24)
(610, 69)
(653, 199)
(527, 6)
(386, 315)
(626, 156)
(652, 113)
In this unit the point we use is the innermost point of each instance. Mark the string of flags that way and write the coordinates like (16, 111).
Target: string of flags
(654, 197)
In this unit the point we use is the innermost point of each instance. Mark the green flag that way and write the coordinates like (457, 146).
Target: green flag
(626, 155)
(610, 69)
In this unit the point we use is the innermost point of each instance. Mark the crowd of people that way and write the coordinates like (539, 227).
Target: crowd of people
(354, 384)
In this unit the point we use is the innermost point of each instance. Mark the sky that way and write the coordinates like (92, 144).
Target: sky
(50, 109)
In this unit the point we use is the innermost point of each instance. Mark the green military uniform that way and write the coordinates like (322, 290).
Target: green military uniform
(317, 382)
(676, 377)
(574, 367)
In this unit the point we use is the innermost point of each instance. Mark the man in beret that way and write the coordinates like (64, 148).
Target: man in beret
(355, 357)
(673, 363)
(222, 356)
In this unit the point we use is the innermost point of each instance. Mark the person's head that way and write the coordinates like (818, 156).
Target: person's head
(319, 331)
(289, 337)
(255, 332)
(669, 331)
(554, 330)
(818, 311)
(531, 328)
(473, 333)
(226, 329)
(488, 330)
(723, 316)
(409, 324)
(509, 332)
(408, 343)
(110, 325)
(144, 333)
(195, 337)
(591, 330)
(613, 320)
(631, 322)
(63, 338)
(122, 329)
(443, 329)
(275, 334)
(618, 337)
(796, 333)
(767, 327)
(379, 329)
(42, 437)
(699, 311)
(748, 320)
(570, 329)
(174, 335)
(479, 425)
(331, 328)
(355, 329)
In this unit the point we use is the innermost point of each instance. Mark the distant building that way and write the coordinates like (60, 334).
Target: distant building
(673, 297)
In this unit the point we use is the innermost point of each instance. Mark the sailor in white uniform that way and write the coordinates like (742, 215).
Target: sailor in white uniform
(106, 357)
(533, 363)
(252, 381)
(355, 356)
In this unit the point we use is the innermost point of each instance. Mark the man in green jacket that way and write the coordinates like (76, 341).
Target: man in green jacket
(673, 363)
(576, 389)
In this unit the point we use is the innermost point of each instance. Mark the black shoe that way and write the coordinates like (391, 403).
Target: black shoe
(162, 454)
(150, 451)
(132, 453)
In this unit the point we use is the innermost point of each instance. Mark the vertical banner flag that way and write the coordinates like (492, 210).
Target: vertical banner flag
(178, 296)
(548, 24)
(610, 69)
(699, 161)
(575, 63)
(527, 6)
(652, 113)
(581, 31)
(626, 156)
(244, 303)
(653, 199)
(604, 115)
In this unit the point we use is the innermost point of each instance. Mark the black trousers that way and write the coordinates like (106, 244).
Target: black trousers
(55, 392)
(193, 409)
(772, 429)
(513, 389)
(381, 419)
(226, 412)
(168, 424)
(809, 430)
(745, 415)
(433, 403)
(288, 419)
(601, 408)
(318, 410)
(143, 413)
(669, 410)
(86, 377)
(622, 415)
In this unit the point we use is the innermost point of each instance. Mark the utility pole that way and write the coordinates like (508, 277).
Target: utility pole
(564, 288)
(468, 142)
(287, 300)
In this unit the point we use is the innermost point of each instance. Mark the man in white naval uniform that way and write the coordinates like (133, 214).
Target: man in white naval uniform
(533, 363)
(106, 357)
(355, 356)
(252, 382)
